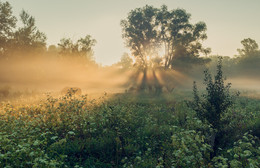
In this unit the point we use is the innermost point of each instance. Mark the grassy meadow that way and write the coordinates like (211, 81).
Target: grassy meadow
(126, 130)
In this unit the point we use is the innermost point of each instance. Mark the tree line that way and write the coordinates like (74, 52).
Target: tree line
(156, 37)
(28, 40)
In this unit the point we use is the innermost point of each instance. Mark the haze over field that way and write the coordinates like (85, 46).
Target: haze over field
(67, 46)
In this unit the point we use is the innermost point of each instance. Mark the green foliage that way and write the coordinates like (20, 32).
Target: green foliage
(241, 118)
(217, 99)
(244, 153)
(73, 131)
(189, 149)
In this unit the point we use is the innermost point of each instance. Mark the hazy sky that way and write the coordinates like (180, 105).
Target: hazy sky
(228, 21)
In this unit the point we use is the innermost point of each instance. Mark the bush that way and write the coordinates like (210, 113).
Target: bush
(216, 100)
(213, 104)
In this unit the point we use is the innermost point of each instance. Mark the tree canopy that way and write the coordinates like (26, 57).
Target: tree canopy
(139, 30)
(81, 50)
(250, 47)
(28, 37)
(249, 57)
(149, 30)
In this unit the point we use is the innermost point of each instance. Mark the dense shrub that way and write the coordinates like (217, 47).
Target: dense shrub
(213, 105)
(216, 100)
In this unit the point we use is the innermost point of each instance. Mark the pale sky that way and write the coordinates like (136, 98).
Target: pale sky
(228, 21)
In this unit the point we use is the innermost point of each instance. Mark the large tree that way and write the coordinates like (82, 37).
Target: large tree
(8, 22)
(148, 29)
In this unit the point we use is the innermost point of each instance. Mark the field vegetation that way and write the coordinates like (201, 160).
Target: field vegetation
(134, 130)
(61, 109)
